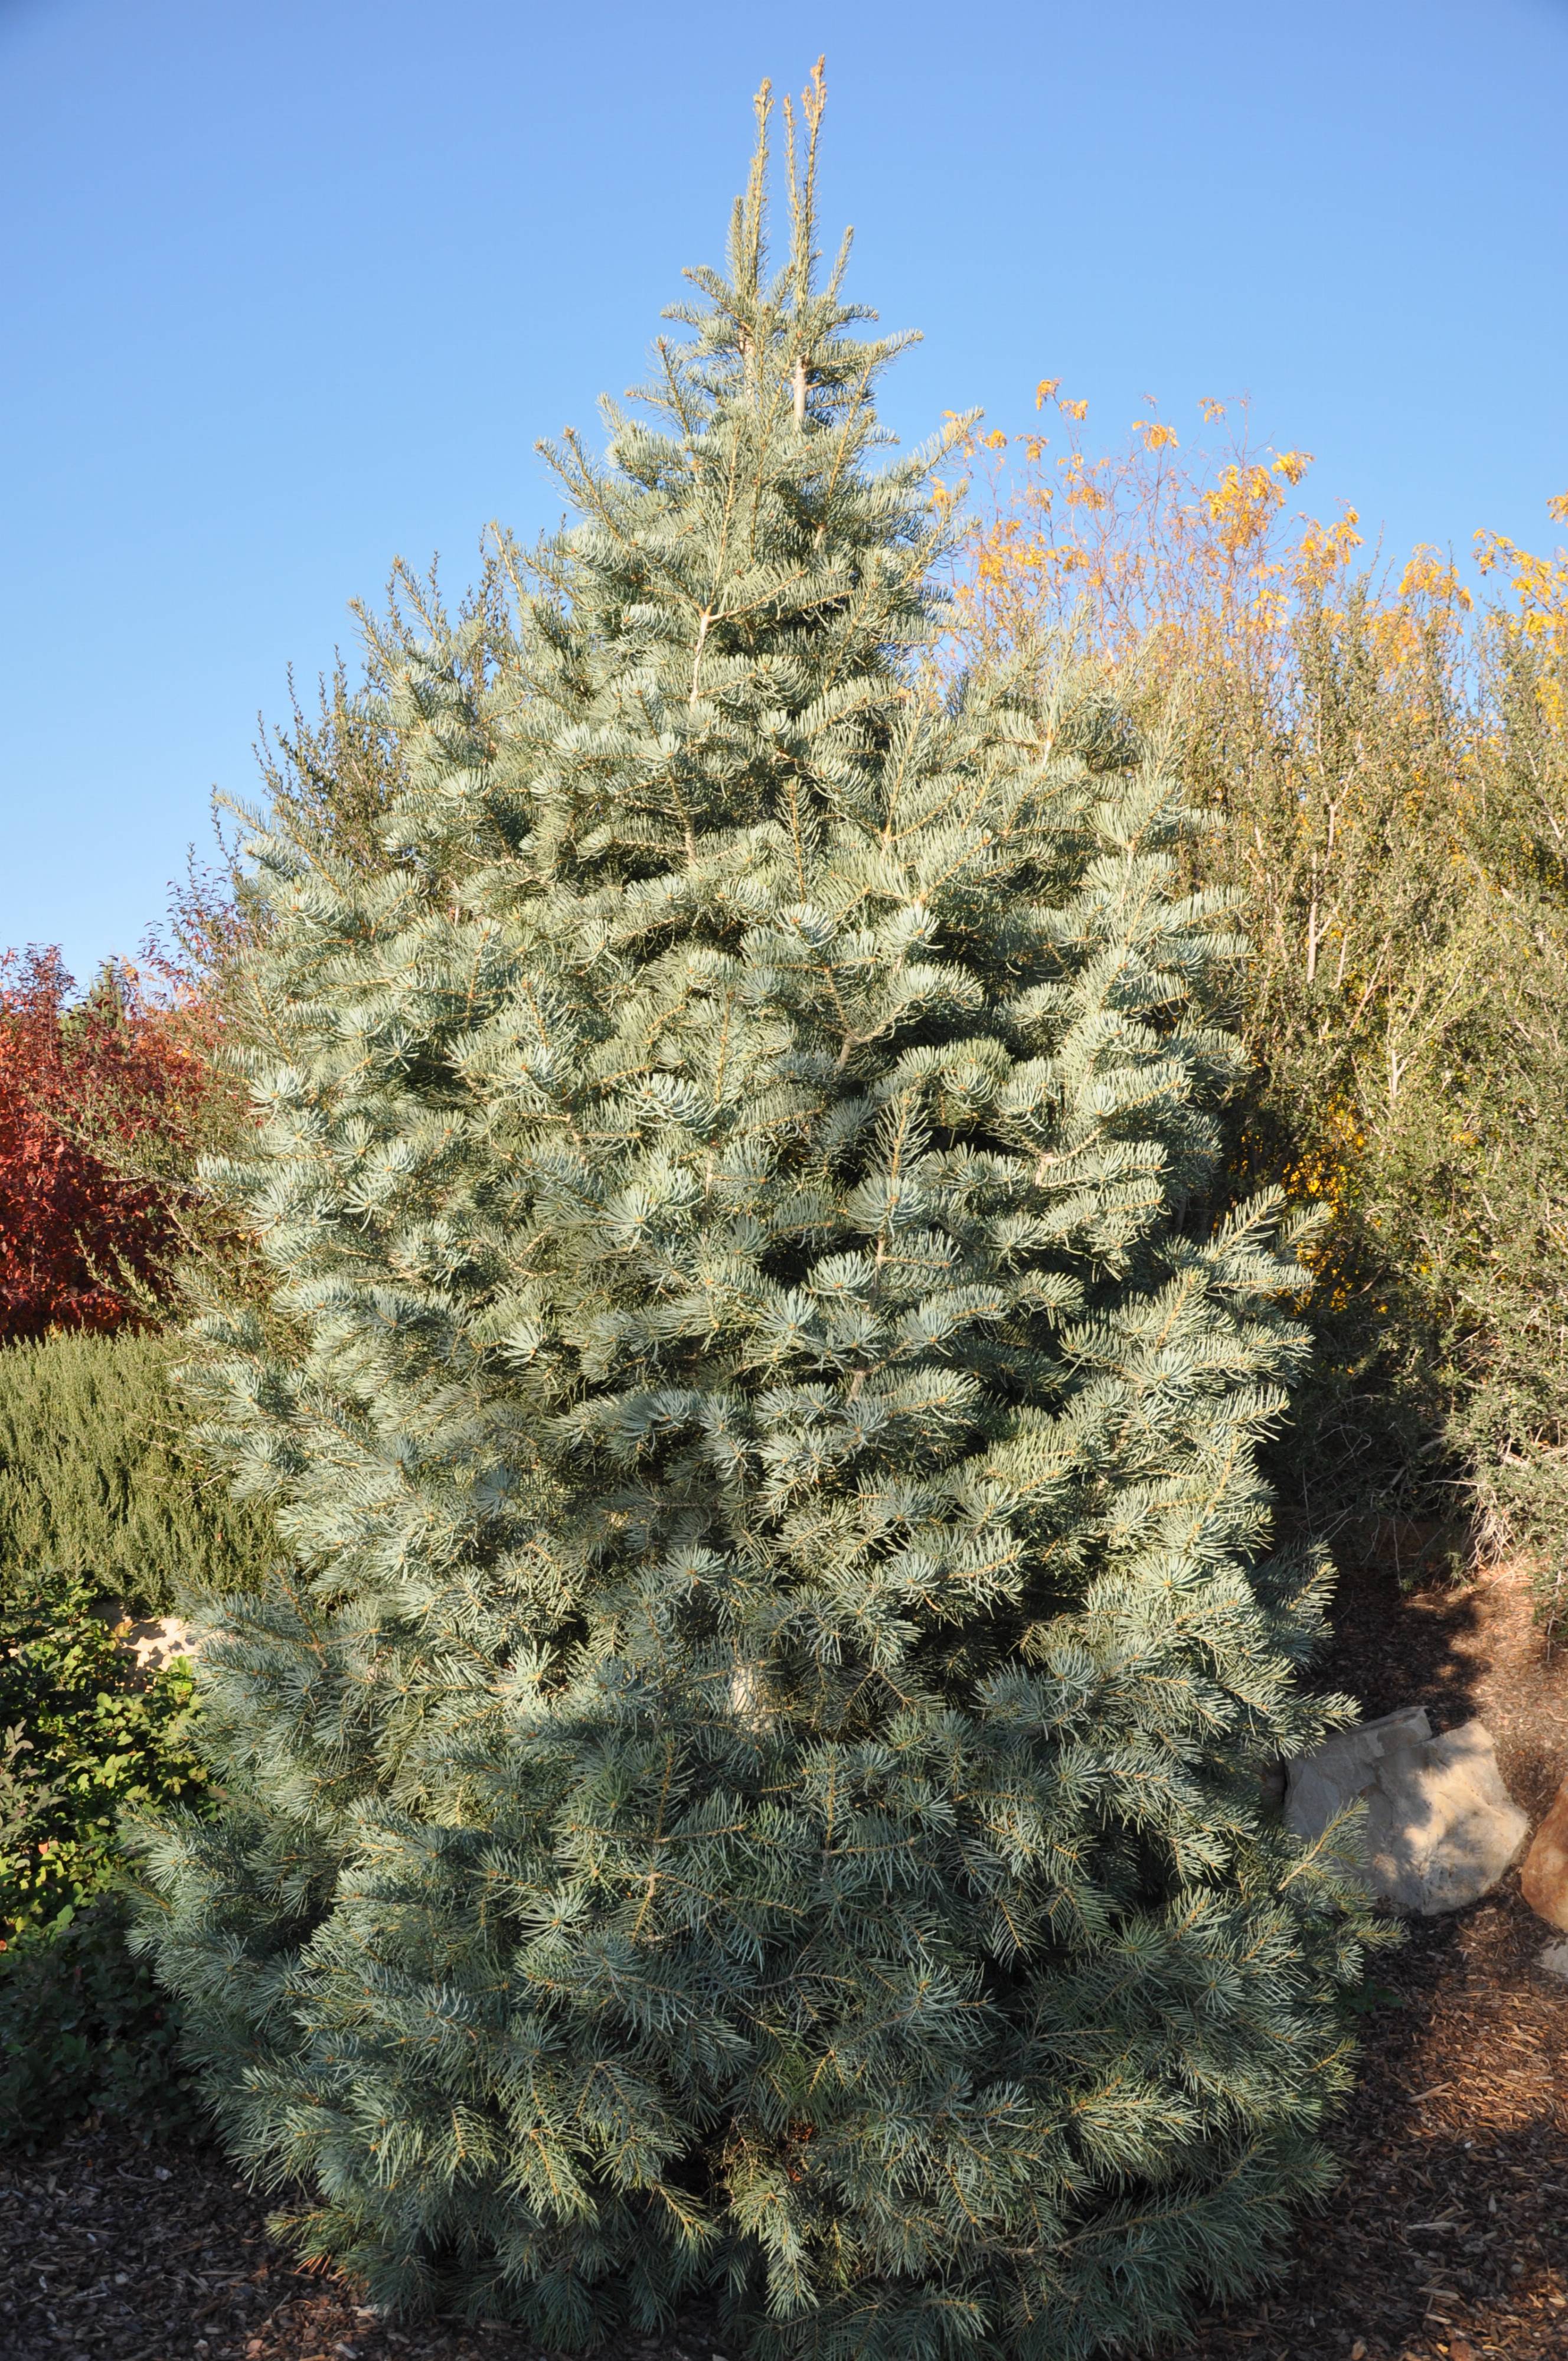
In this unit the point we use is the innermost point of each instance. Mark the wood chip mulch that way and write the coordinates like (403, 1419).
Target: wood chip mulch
(1448, 2232)
(1445, 2240)
(121, 2253)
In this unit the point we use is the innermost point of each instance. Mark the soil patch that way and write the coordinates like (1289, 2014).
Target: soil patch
(1460, 1650)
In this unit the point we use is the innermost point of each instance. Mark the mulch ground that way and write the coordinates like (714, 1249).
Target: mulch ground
(1448, 2231)
(1447, 2234)
(120, 2253)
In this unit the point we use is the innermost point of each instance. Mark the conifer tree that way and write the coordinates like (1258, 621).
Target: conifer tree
(750, 1791)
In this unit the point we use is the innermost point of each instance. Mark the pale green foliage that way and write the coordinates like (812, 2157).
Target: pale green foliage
(754, 1787)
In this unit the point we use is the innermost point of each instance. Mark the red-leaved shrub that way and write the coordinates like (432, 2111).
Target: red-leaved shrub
(96, 1098)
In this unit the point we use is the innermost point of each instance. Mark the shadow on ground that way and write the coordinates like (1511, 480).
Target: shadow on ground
(1448, 2231)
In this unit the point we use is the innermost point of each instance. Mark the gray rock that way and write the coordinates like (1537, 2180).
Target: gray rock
(1554, 1959)
(1441, 1827)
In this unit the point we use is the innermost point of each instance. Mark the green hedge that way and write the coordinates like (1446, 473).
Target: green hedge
(94, 1482)
(82, 1738)
(85, 2030)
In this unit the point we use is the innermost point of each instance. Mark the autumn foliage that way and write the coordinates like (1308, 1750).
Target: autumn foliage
(97, 1099)
(1385, 755)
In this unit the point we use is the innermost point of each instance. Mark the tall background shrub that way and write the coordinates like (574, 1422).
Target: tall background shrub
(100, 1098)
(1390, 767)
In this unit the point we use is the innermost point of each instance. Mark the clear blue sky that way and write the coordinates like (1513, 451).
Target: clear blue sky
(292, 288)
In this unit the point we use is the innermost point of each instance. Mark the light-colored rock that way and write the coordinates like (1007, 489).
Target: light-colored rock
(157, 1641)
(1320, 1786)
(1543, 1880)
(1441, 1827)
(1554, 1959)
(153, 1640)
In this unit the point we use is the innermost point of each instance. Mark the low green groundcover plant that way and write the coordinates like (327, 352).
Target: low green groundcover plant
(83, 1739)
(85, 2030)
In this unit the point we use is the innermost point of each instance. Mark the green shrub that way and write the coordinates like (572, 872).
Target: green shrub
(82, 1737)
(83, 2028)
(96, 1483)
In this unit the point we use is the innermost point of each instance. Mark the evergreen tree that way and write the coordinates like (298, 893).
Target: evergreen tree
(751, 1790)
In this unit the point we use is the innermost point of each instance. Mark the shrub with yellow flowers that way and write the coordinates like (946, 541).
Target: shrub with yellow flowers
(1387, 764)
